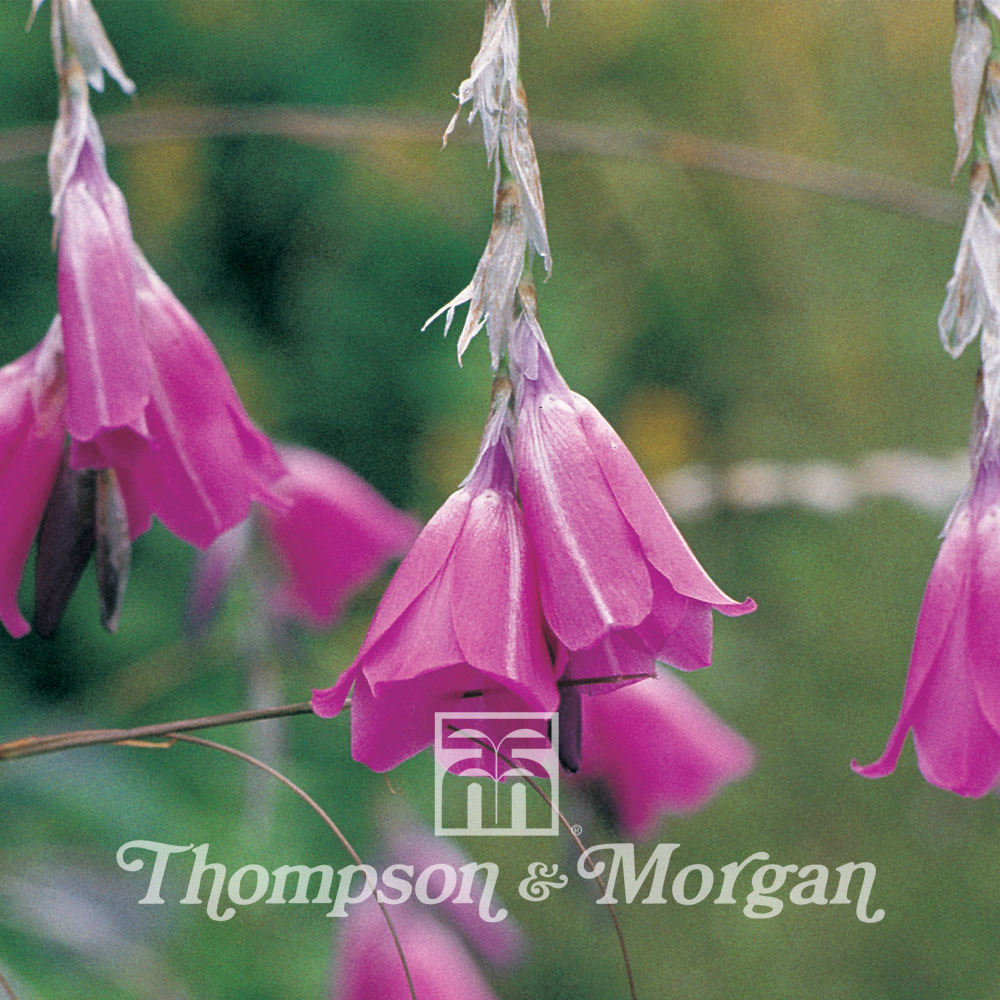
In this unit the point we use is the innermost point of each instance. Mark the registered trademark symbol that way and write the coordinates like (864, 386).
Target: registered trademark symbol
(577, 829)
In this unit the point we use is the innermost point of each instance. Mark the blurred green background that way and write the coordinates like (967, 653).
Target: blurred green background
(711, 318)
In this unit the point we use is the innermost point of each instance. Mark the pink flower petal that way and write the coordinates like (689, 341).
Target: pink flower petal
(32, 434)
(206, 462)
(496, 613)
(621, 654)
(592, 572)
(662, 543)
(657, 749)
(335, 535)
(950, 698)
(459, 627)
(107, 364)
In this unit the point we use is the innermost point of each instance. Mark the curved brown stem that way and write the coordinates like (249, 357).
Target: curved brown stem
(323, 815)
(7, 988)
(528, 780)
(32, 745)
(338, 128)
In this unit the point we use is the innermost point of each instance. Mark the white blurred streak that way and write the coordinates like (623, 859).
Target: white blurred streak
(59, 907)
(920, 481)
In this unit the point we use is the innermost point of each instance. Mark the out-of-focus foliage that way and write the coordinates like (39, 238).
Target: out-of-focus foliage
(713, 318)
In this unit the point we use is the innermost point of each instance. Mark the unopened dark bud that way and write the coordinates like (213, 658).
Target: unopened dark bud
(113, 548)
(570, 728)
(65, 541)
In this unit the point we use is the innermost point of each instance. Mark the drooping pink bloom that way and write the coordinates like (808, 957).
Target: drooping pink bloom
(107, 362)
(501, 943)
(654, 748)
(619, 586)
(32, 434)
(951, 701)
(459, 626)
(204, 463)
(332, 536)
(335, 534)
(369, 967)
(146, 392)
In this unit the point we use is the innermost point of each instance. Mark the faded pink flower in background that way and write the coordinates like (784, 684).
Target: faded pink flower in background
(460, 617)
(331, 537)
(334, 535)
(368, 965)
(32, 435)
(655, 749)
(951, 701)
(500, 944)
(620, 588)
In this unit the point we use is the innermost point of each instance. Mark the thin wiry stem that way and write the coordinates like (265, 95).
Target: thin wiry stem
(323, 815)
(527, 779)
(7, 988)
(32, 746)
(600, 882)
(345, 128)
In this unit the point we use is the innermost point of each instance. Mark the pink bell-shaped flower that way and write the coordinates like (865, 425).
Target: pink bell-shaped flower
(334, 535)
(654, 748)
(459, 626)
(951, 701)
(620, 588)
(32, 435)
(147, 394)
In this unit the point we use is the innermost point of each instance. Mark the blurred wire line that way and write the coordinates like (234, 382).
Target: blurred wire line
(930, 484)
(7, 988)
(344, 127)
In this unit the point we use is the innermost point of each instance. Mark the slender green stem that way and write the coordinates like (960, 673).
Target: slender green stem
(338, 128)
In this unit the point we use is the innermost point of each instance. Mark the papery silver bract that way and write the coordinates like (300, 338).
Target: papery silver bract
(90, 42)
(968, 63)
(971, 295)
(498, 98)
(519, 152)
(991, 110)
(491, 292)
(972, 302)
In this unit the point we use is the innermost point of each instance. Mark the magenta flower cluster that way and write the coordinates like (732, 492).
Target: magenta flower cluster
(125, 375)
(554, 565)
